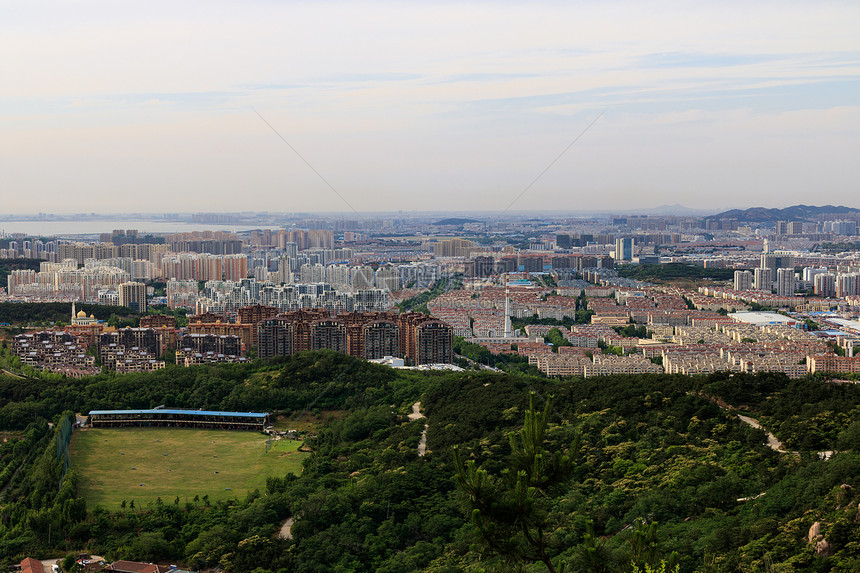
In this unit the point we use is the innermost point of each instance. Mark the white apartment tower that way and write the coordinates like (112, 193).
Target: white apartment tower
(743, 280)
(763, 279)
(785, 282)
(847, 284)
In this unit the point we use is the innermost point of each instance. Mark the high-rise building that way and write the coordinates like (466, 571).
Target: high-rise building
(840, 227)
(484, 265)
(785, 282)
(312, 273)
(624, 249)
(810, 272)
(530, 264)
(362, 277)
(453, 248)
(763, 279)
(743, 280)
(388, 278)
(337, 275)
(428, 341)
(825, 285)
(563, 241)
(777, 260)
(847, 284)
(291, 250)
(379, 338)
(133, 295)
(275, 337)
(789, 227)
(235, 267)
(211, 324)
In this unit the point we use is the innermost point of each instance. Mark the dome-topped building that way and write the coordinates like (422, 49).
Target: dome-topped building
(81, 319)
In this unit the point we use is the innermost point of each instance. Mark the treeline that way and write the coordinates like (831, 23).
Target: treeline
(320, 380)
(673, 271)
(39, 500)
(35, 312)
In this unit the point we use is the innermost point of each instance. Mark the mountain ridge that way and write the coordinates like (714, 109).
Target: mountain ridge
(794, 212)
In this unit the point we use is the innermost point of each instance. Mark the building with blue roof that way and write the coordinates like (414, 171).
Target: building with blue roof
(179, 418)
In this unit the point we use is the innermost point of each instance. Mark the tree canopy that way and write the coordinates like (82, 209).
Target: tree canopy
(615, 473)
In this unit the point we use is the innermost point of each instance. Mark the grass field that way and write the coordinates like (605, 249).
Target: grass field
(307, 421)
(143, 464)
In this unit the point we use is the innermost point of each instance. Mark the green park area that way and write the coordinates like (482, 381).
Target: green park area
(144, 464)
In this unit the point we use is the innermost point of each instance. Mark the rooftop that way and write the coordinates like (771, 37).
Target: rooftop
(760, 318)
(180, 411)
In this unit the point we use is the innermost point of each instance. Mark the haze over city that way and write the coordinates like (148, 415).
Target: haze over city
(450, 106)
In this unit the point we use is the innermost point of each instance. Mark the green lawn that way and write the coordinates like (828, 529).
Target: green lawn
(143, 464)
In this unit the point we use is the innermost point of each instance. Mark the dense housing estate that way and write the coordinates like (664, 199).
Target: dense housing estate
(416, 336)
(332, 284)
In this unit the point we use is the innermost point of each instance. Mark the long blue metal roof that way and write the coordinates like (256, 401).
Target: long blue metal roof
(177, 411)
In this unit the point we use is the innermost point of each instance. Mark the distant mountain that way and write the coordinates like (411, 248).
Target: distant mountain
(456, 221)
(793, 213)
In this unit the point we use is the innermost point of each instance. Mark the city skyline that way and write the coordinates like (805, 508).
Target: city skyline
(443, 107)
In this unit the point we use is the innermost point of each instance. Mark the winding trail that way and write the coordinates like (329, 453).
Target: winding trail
(286, 531)
(774, 444)
(417, 415)
(772, 441)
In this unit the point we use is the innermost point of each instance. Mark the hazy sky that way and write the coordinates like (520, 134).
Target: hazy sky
(149, 106)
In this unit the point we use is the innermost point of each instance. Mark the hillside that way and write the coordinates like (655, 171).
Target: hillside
(455, 221)
(662, 472)
(793, 213)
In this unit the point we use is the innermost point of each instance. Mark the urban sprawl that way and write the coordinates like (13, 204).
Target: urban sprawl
(563, 294)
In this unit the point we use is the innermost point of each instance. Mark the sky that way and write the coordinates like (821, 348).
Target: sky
(322, 106)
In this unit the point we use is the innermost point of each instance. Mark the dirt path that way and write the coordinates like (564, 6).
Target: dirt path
(417, 415)
(286, 531)
(416, 412)
(774, 444)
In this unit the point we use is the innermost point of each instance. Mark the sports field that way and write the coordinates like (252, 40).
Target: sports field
(143, 464)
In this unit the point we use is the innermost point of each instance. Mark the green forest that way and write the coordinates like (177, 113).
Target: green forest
(47, 312)
(522, 473)
(673, 271)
